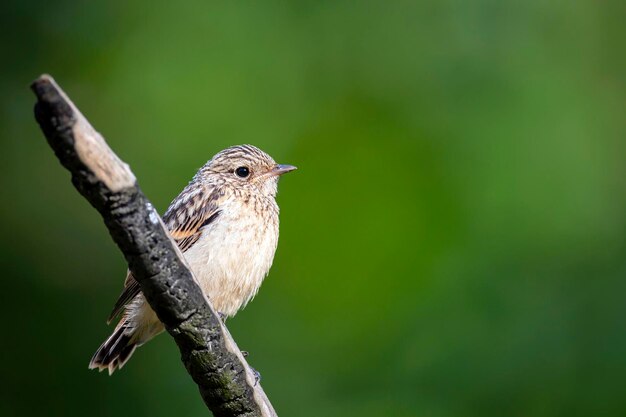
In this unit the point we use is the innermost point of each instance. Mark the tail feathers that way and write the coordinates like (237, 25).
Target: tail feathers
(114, 352)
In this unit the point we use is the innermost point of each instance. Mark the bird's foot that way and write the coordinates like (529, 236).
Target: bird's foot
(222, 316)
(245, 353)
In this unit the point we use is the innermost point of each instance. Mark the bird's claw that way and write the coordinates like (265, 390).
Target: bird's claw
(222, 316)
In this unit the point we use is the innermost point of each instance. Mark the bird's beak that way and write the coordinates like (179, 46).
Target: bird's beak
(281, 169)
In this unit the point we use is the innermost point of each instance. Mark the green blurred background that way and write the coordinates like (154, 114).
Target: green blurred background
(452, 244)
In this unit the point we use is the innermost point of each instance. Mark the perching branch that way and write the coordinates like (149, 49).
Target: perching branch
(226, 382)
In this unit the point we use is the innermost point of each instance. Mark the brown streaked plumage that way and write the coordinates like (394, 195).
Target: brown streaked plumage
(225, 222)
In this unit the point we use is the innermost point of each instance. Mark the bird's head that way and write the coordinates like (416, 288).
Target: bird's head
(246, 167)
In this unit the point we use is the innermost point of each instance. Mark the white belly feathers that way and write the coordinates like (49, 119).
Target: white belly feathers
(227, 263)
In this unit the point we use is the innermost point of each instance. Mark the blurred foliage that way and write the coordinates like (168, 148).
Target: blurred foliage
(452, 244)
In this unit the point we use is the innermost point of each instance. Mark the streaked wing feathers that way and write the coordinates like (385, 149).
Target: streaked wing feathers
(131, 289)
(193, 209)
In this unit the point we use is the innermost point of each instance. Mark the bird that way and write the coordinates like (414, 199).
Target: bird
(225, 222)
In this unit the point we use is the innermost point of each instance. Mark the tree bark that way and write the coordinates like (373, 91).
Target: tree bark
(226, 382)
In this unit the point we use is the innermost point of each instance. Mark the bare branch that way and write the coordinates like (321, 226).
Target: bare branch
(226, 382)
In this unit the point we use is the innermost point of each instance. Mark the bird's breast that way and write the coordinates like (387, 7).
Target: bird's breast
(233, 255)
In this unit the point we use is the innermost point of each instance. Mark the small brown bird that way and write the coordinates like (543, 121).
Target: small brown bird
(226, 224)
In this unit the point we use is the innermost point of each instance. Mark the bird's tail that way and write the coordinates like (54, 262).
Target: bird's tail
(115, 351)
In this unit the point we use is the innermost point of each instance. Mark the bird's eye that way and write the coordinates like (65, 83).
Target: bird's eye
(242, 172)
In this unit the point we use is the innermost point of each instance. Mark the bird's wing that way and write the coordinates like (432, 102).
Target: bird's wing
(193, 209)
(131, 289)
